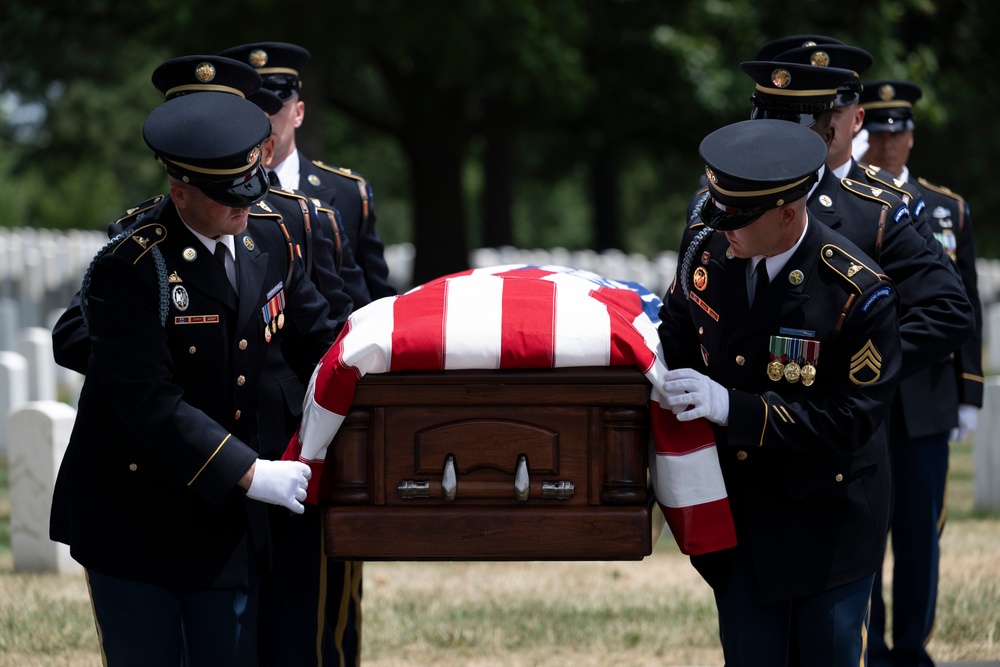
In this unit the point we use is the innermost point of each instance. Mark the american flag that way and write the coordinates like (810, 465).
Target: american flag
(521, 316)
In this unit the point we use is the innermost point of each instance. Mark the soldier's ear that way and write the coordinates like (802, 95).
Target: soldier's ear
(179, 194)
(828, 134)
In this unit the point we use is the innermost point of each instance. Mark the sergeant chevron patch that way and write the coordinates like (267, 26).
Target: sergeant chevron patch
(866, 365)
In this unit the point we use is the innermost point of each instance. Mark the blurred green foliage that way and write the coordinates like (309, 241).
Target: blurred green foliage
(534, 123)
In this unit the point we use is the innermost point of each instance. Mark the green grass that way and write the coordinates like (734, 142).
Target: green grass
(579, 614)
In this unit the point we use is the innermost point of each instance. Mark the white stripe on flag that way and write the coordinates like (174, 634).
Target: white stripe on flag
(689, 479)
(583, 329)
(368, 344)
(473, 317)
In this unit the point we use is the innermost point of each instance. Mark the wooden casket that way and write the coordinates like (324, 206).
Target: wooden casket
(539, 464)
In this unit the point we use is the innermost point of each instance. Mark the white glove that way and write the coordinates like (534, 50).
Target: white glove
(280, 483)
(968, 420)
(708, 398)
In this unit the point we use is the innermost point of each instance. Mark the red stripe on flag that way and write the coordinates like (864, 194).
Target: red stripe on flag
(418, 329)
(527, 336)
(530, 272)
(676, 437)
(703, 528)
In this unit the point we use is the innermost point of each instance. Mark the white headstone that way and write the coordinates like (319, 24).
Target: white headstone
(10, 318)
(39, 433)
(13, 389)
(986, 450)
(36, 348)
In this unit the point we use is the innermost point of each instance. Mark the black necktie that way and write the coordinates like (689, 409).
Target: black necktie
(272, 178)
(761, 279)
(220, 254)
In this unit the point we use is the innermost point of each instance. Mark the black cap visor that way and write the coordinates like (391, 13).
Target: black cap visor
(888, 123)
(285, 86)
(245, 191)
(726, 219)
(804, 119)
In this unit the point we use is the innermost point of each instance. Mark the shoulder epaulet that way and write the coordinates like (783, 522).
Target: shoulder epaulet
(941, 190)
(882, 177)
(262, 210)
(878, 195)
(133, 244)
(343, 171)
(854, 270)
(287, 193)
(137, 210)
(140, 241)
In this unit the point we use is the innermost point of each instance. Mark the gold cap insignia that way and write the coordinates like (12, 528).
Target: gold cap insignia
(174, 278)
(781, 78)
(254, 155)
(189, 254)
(313, 179)
(711, 175)
(258, 57)
(866, 365)
(204, 72)
(820, 59)
(780, 202)
(886, 92)
(825, 200)
(248, 242)
(796, 277)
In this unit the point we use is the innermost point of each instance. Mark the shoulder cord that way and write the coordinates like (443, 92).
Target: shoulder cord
(692, 249)
(161, 276)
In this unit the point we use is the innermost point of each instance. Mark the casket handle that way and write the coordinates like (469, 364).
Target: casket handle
(449, 481)
(409, 489)
(522, 483)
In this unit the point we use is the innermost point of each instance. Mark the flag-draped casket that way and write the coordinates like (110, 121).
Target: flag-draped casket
(508, 413)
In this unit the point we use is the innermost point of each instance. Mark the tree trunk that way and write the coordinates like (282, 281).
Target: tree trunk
(605, 193)
(498, 188)
(436, 149)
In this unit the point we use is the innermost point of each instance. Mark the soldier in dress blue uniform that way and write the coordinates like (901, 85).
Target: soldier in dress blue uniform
(784, 335)
(937, 403)
(311, 604)
(936, 315)
(299, 216)
(162, 493)
(847, 120)
(280, 65)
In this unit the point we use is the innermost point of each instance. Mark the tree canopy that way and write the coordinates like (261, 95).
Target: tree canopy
(524, 122)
